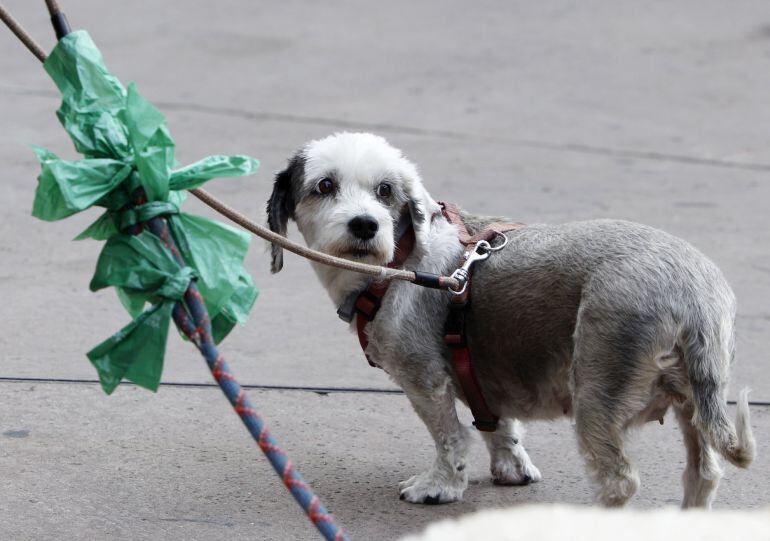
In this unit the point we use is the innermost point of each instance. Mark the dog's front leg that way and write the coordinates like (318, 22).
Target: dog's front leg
(447, 479)
(510, 464)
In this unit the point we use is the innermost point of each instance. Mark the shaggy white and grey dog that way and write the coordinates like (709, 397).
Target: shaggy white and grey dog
(607, 321)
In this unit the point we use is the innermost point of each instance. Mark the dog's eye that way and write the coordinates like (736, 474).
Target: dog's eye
(384, 190)
(325, 186)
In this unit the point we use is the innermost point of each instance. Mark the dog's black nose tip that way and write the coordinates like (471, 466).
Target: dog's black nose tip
(363, 227)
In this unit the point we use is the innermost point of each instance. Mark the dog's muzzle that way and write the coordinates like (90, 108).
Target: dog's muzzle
(363, 227)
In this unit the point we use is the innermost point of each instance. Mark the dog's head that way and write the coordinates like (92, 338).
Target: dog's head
(347, 193)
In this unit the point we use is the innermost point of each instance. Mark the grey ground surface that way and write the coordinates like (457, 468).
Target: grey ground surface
(647, 111)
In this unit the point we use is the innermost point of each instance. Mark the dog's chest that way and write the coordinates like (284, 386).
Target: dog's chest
(408, 327)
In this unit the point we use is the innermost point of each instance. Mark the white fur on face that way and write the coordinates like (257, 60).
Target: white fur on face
(357, 163)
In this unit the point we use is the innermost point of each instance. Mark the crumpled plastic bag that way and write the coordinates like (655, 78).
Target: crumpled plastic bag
(126, 146)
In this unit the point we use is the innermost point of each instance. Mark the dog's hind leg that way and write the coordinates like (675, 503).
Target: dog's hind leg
(702, 474)
(509, 462)
(447, 479)
(601, 442)
(605, 367)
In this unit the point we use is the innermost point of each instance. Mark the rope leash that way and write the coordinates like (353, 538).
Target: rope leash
(197, 327)
(20, 33)
(378, 272)
(193, 320)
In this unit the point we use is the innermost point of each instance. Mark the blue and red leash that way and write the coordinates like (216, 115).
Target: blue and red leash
(192, 319)
(196, 325)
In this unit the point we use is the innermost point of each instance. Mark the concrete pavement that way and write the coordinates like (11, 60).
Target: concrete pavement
(178, 465)
(653, 113)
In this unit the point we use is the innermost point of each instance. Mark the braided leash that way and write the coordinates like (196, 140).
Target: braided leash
(192, 318)
(197, 327)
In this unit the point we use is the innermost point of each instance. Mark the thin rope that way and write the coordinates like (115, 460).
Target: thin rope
(20, 33)
(380, 273)
(261, 231)
(194, 321)
(196, 324)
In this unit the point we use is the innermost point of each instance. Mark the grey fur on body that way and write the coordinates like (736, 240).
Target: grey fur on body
(608, 321)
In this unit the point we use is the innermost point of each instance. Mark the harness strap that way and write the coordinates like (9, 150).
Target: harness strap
(456, 339)
(454, 330)
(452, 213)
(369, 301)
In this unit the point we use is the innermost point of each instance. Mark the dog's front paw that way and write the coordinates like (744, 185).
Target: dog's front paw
(511, 473)
(432, 488)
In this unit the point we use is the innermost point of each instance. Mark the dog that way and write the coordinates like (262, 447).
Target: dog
(607, 321)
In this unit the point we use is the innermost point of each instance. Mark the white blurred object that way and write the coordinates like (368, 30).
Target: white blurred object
(562, 522)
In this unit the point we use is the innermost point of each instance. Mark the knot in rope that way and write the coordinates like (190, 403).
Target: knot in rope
(146, 212)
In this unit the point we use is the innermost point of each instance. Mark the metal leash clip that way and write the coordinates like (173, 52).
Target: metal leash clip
(480, 252)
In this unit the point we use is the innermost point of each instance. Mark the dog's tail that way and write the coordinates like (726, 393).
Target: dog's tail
(708, 357)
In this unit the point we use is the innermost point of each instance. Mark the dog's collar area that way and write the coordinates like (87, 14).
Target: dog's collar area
(364, 305)
(347, 310)
(404, 232)
(367, 303)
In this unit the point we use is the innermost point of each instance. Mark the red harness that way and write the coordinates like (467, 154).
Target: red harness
(369, 301)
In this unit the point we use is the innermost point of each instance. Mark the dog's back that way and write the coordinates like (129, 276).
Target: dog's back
(631, 284)
(613, 320)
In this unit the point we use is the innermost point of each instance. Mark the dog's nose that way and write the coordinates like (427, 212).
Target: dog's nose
(363, 227)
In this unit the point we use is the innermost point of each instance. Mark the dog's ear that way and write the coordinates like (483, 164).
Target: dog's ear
(421, 205)
(280, 206)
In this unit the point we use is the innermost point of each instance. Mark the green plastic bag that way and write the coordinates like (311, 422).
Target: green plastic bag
(126, 146)
(138, 263)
